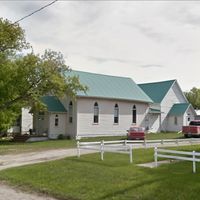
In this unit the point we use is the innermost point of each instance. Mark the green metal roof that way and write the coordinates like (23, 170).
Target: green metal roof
(53, 104)
(157, 91)
(112, 87)
(178, 109)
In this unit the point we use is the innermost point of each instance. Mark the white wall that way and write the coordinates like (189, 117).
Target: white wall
(27, 120)
(182, 120)
(54, 131)
(14, 129)
(41, 123)
(154, 122)
(71, 128)
(106, 124)
(188, 116)
(173, 96)
(171, 123)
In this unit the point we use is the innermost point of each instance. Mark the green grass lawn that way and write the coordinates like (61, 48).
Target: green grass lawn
(156, 136)
(89, 178)
(7, 147)
(149, 136)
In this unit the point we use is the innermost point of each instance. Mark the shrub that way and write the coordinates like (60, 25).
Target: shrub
(68, 137)
(60, 137)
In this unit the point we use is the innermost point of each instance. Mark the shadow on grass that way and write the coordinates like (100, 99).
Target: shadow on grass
(6, 142)
(128, 189)
(169, 181)
(97, 161)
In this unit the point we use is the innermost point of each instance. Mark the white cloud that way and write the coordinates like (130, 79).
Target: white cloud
(148, 40)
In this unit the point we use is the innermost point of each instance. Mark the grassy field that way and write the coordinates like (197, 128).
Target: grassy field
(154, 136)
(88, 178)
(7, 147)
(149, 136)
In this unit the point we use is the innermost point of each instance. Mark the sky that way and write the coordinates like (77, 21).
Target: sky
(148, 41)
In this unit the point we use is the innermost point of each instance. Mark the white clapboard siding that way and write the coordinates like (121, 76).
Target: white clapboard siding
(54, 131)
(174, 95)
(106, 126)
(27, 120)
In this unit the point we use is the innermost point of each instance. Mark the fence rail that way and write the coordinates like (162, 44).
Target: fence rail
(177, 155)
(106, 146)
(146, 142)
(78, 137)
(126, 146)
(165, 141)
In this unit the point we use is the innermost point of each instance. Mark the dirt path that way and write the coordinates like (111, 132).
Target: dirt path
(8, 161)
(11, 193)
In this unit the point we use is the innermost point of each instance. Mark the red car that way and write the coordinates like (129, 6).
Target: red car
(136, 133)
(193, 130)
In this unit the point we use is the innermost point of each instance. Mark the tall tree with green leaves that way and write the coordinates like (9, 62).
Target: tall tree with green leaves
(24, 78)
(193, 97)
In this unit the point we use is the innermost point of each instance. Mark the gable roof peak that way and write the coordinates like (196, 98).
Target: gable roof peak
(158, 82)
(157, 90)
(178, 109)
(53, 104)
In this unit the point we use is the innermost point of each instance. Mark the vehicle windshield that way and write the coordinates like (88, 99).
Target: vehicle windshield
(137, 129)
(195, 123)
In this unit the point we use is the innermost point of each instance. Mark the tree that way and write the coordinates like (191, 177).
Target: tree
(193, 97)
(25, 78)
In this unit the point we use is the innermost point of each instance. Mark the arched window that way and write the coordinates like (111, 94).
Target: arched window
(116, 114)
(175, 120)
(134, 115)
(56, 120)
(96, 113)
(70, 112)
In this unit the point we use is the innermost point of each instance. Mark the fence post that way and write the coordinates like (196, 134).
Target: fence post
(131, 153)
(177, 141)
(78, 149)
(125, 142)
(162, 142)
(155, 156)
(190, 140)
(102, 149)
(194, 164)
(145, 144)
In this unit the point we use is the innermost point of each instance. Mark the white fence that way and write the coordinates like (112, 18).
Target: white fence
(177, 155)
(119, 146)
(152, 143)
(79, 137)
(166, 142)
(126, 146)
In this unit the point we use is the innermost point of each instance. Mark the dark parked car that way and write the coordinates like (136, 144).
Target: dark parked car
(136, 133)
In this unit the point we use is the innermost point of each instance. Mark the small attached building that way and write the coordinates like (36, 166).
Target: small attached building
(51, 122)
(170, 109)
(180, 115)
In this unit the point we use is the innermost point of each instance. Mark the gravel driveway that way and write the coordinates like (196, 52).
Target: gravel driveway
(7, 161)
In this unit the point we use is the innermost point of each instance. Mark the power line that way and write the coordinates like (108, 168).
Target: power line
(35, 12)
